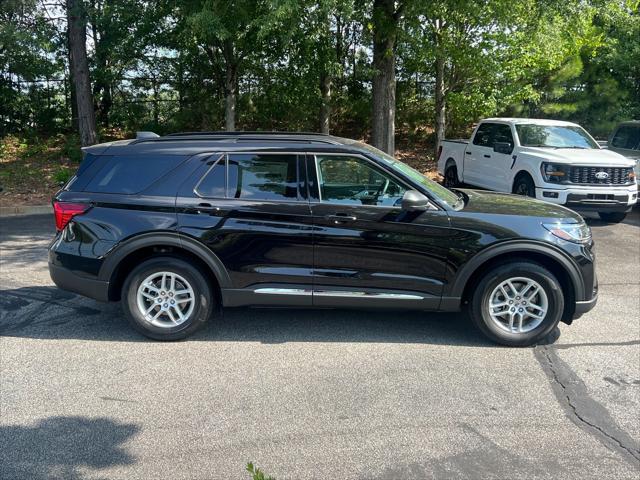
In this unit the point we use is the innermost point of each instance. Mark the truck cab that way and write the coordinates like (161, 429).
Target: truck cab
(554, 161)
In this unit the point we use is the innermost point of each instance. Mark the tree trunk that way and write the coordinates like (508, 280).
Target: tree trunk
(385, 24)
(72, 90)
(80, 71)
(441, 118)
(230, 86)
(325, 108)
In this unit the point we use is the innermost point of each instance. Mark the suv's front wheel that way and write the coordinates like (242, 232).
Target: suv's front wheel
(166, 298)
(517, 304)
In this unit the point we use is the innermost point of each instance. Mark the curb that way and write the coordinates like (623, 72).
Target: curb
(25, 210)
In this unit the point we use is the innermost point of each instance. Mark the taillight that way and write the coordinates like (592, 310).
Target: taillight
(65, 211)
(439, 152)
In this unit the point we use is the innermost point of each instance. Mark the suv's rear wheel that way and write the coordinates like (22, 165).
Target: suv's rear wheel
(166, 298)
(612, 217)
(517, 304)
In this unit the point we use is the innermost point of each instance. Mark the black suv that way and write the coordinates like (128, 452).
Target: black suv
(179, 226)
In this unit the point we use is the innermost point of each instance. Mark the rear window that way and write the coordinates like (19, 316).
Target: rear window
(127, 174)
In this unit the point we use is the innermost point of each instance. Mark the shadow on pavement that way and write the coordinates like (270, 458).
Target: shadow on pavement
(50, 313)
(58, 447)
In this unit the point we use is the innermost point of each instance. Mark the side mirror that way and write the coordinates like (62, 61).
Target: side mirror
(503, 147)
(414, 201)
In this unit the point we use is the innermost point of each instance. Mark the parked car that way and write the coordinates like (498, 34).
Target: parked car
(554, 161)
(625, 140)
(179, 226)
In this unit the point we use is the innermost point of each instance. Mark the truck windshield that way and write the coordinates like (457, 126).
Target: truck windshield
(554, 136)
(437, 190)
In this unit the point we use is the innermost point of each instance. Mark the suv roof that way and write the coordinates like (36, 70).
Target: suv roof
(191, 143)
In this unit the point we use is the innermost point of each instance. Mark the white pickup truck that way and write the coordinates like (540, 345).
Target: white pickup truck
(550, 160)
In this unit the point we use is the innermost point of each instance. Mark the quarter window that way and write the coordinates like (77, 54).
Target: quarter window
(349, 180)
(213, 183)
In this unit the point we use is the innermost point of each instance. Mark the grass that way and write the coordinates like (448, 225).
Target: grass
(33, 168)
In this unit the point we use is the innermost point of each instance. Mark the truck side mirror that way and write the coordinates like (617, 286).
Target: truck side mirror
(503, 147)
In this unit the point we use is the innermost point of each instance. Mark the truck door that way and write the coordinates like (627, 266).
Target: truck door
(484, 166)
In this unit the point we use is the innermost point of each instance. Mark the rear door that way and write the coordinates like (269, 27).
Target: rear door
(249, 209)
(367, 251)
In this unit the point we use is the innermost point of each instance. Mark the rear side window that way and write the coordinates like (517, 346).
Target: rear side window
(252, 176)
(262, 177)
(127, 174)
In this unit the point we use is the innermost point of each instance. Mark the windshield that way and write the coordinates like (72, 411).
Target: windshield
(554, 136)
(442, 193)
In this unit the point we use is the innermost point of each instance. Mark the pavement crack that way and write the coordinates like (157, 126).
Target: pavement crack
(581, 408)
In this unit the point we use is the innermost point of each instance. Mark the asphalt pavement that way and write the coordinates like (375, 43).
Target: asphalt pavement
(313, 394)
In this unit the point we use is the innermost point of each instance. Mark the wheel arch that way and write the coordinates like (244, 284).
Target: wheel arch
(126, 256)
(554, 260)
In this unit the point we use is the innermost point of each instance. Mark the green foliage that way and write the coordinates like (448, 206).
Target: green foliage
(257, 474)
(61, 175)
(163, 65)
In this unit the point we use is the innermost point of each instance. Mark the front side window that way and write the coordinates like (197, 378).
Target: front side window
(627, 137)
(484, 135)
(262, 177)
(502, 133)
(554, 136)
(350, 180)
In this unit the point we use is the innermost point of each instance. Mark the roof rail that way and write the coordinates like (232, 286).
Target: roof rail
(243, 132)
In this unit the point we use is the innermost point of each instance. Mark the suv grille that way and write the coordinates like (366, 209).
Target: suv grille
(593, 175)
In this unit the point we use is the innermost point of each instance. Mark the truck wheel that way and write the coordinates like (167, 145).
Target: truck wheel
(524, 186)
(517, 304)
(451, 177)
(166, 298)
(612, 217)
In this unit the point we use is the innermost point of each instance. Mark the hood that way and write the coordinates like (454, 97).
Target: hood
(495, 203)
(579, 156)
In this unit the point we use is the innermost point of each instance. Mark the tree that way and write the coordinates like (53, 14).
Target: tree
(76, 18)
(384, 25)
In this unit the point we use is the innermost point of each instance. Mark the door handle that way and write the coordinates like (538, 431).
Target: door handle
(467, 153)
(206, 208)
(487, 156)
(341, 218)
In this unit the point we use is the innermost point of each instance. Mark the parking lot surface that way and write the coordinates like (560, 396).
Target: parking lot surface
(313, 394)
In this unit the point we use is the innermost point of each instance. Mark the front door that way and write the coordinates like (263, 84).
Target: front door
(483, 166)
(368, 251)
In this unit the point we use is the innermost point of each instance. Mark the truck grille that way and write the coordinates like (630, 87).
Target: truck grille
(593, 175)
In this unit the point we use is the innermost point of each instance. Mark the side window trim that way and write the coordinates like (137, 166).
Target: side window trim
(376, 166)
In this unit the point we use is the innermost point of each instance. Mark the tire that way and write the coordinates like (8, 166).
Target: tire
(612, 217)
(524, 186)
(533, 329)
(451, 177)
(174, 321)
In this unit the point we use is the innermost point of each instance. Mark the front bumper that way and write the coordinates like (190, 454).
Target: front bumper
(598, 199)
(67, 280)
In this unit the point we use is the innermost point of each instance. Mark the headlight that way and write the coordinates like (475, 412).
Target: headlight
(552, 173)
(571, 232)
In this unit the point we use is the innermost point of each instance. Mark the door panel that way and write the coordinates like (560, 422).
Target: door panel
(363, 250)
(261, 241)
